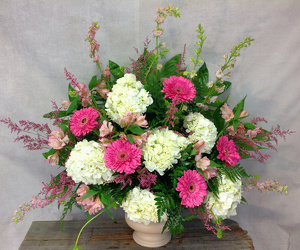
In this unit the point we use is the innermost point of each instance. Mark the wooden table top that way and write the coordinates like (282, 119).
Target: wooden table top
(109, 234)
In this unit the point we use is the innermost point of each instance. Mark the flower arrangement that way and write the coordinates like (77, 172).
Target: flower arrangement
(154, 138)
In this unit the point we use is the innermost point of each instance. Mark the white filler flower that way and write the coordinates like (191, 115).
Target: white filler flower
(163, 149)
(140, 206)
(202, 128)
(128, 95)
(230, 194)
(86, 164)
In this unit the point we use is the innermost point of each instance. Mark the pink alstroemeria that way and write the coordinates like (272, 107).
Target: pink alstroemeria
(106, 72)
(91, 204)
(65, 103)
(243, 114)
(199, 145)
(82, 190)
(240, 130)
(203, 163)
(57, 139)
(253, 132)
(102, 89)
(106, 129)
(141, 139)
(104, 142)
(227, 113)
(133, 119)
(127, 119)
(141, 121)
(84, 93)
(53, 159)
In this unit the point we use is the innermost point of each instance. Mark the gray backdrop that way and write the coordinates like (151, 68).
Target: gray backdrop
(39, 38)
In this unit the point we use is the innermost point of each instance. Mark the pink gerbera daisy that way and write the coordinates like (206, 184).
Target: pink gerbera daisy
(179, 86)
(227, 151)
(122, 156)
(83, 121)
(192, 188)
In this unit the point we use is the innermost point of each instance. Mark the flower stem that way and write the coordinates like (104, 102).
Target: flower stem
(75, 247)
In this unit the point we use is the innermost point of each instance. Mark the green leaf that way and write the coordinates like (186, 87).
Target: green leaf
(217, 116)
(136, 129)
(169, 68)
(109, 213)
(50, 152)
(88, 216)
(62, 126)
(115, 69)
(238, 108)
(55, 114)
(235, 125)
(249, 125)
(71, 90)
(244, 200)
(190, 217)
(73, 105)
(93, 82)
(214, 164)
(200, 81)
(234, 173)
(227, 85)
(130, 139)
(105, 198)
(89, 194)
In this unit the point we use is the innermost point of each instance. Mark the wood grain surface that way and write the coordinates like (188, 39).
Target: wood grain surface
(109, 234)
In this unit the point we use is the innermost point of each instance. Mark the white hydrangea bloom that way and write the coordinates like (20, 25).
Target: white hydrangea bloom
(86, 164)
(201, 128)
(140, 206)
(162, 150)
(127, 95)
(230, 194)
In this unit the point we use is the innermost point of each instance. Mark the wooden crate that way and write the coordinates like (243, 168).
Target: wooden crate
(109, 234)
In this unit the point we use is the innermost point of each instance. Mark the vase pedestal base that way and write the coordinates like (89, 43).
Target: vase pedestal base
(151, 239)
(149, 235)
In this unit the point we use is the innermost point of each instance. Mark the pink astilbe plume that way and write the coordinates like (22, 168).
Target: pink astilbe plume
(60, 187)
(55, 114)
(257, 138)
(141, 62)
(210, 222)
(71, 78)
(81, 89)
(172, 111)
(125, 179)
(181, 64)
(36, 135)
(146, 178)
